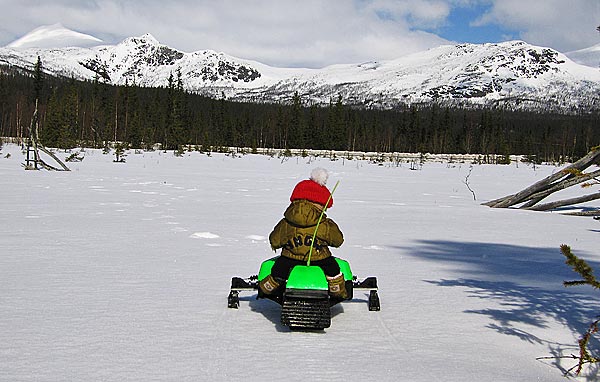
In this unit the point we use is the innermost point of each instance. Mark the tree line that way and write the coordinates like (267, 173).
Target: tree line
(92, 113)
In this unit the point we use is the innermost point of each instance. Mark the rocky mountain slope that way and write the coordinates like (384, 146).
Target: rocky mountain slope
(512, 74)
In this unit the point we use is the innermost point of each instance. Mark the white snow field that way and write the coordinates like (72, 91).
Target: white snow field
(120, 272)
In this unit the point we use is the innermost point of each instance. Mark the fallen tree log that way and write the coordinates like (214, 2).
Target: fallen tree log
(51, 154)
(584, 213)
(569, 176)
(565, 202)
(566, 183)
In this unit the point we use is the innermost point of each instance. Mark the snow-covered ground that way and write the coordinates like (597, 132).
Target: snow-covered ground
(120, 272)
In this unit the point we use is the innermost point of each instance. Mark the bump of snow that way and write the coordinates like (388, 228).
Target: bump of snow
(256, 237)
(204, 235)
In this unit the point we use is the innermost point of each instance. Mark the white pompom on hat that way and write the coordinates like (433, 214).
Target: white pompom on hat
(314, 189)
(319, 175)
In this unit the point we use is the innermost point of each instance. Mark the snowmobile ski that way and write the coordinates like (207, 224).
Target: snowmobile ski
(238, 285)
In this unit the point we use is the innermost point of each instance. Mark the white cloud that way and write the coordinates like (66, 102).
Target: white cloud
(416, 13)
(562, 25)
(278, 32)
(311, 33)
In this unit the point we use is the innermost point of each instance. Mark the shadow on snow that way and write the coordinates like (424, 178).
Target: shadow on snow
(272, 311)
(525, 283)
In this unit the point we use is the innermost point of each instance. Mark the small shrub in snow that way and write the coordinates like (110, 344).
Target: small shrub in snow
(120, 152)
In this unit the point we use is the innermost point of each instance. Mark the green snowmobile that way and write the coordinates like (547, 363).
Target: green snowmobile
(305, 300)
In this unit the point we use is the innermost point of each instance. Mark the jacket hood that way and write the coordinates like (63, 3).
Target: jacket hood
(302, 213)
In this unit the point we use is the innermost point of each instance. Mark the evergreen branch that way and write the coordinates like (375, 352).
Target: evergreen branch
(578, 365)
(586, 272)
(581, 267)
(584, 355)
(574, 283)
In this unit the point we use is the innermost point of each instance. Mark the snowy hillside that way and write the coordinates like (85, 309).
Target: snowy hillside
(120, 271)
(589, 56)
(513, 74)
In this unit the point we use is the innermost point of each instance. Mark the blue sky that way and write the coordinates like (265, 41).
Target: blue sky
(314, 33)
(459, 27)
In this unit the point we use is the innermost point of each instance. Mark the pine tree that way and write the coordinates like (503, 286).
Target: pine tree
(176, 128)
(38, 78)
(4, 106)
(336, 125)
(96, 109)
(49, 134)
(70, 131)
(120, 154)
(297, 129)
(414, 130)
(222, 125)
(135, 135)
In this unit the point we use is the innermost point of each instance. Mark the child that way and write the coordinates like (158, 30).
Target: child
(294, 234)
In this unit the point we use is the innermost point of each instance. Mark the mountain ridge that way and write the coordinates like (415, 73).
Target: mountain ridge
(513, 74)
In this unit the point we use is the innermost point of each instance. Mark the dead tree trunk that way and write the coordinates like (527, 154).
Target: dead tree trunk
(37, 147)
(566, 202)
(567, 177)
(566, 183)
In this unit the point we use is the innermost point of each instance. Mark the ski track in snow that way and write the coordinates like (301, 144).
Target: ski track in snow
(121, 272)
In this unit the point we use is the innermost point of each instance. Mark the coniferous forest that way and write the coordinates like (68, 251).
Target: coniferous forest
(92, 113)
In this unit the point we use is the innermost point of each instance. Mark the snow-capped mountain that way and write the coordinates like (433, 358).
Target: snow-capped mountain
(54, 36)
(513, 73)
(588, 56)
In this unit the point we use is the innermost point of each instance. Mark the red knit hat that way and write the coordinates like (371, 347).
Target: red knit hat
(312, 191)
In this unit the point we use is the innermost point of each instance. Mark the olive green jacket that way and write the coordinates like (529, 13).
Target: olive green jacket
(294, 232)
